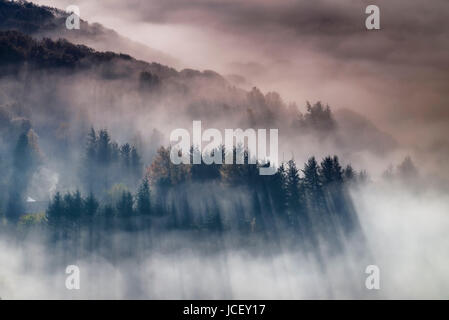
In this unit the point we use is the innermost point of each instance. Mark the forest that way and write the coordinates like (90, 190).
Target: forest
(107, 189)
(119, 195)
(86, 177)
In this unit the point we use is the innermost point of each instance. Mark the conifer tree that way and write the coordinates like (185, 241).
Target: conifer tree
(143, 206)
(293, 192)
(125, 205)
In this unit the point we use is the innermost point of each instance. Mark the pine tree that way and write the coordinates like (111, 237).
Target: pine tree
(90, 208)
(125, 153)
(349, 174)
(338, 171)
(293, 192)
(89, 167)
(203, 172)
(136, 163)
(108, 214)
(91, 145)
(312, 183)
(55, 211)
(143, 206)
(326, 171)
(277, 190)
(76, 207)
(125, 205)
(24, 163)
(88, 218)
(114, 152)
(104, 148)
(104, 154)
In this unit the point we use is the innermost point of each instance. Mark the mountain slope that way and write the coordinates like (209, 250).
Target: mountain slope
(64, 87)
(43, 21)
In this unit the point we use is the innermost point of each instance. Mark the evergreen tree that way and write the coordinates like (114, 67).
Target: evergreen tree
(88, 218)
(104, 148)
(89, 168)
(125, 205)
(104, 154)
(90, 208)
(75, 207)
(91, 145)
(114, 152)
(24, 163)
(349, 174)
(143, 206)
(277, 189)
(55, 211)
(203, 172)
(125, 153)
(108, 214)
(293, 192)
(312, 183)
(326, 171)
(136, 163)
(337, 170)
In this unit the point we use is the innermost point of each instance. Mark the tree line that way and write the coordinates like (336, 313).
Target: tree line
(310, 202)
(117, 194)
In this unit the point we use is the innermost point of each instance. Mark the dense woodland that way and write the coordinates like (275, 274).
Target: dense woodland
(118, 194)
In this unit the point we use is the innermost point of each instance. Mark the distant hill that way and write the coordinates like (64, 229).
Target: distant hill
(41, 58)
(189, 93)
(43, 21)
(18, 49)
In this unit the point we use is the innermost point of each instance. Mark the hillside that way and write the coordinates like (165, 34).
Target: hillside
(43, 21)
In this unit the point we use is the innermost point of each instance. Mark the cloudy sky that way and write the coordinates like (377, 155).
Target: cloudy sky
(310, 50)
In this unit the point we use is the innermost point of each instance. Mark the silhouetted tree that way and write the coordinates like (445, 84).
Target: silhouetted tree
(277, 188)
(125, 205)
(89, 166)
(24, 163)
(293, 195)
(136, 163)
(203, 172)
(55, 212)
(407, 171)
(143, 206)
(349, 174)
(90, 208)
(125, 152)
(104, 148)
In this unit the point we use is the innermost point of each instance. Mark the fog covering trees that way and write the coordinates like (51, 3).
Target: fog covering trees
(82, 117)
(305, 208)
(123, 212)
(116, 199)
(111, 173)
(115, 193)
